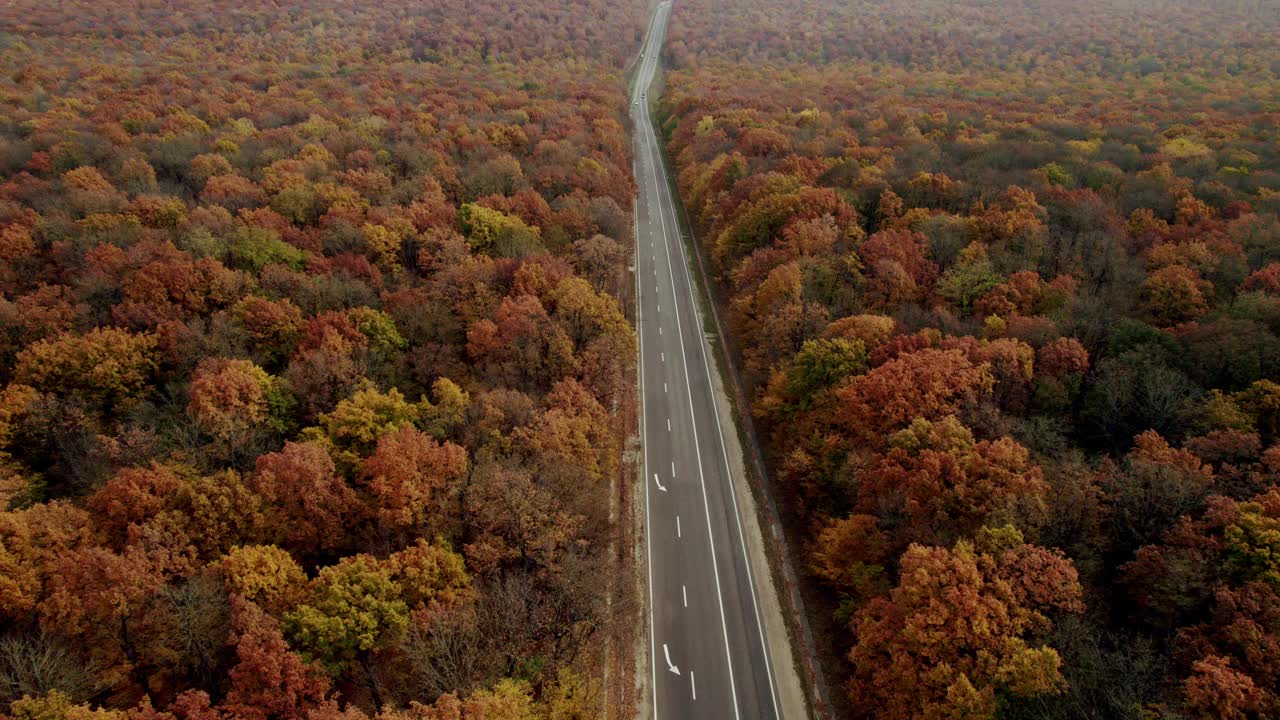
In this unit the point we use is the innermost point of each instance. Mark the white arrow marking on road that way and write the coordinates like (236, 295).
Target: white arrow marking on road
(666, 653)
(658, 482)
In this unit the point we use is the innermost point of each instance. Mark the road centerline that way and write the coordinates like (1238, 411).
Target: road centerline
(648, 136)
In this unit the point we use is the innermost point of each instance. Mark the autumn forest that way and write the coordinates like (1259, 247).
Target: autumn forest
(313, 353)
(318, 359)
(1003, 278)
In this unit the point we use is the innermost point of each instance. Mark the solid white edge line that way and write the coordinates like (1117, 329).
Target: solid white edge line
(648, 528)
(706, 503)
(648, 531)
(665, 191)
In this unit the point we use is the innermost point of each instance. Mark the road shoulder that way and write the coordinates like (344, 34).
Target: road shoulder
(792, 700)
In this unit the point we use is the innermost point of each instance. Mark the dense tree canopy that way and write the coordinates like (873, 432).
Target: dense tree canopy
(1005, 265)
(313, 356)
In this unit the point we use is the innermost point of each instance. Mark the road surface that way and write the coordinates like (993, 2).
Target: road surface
(709, 657)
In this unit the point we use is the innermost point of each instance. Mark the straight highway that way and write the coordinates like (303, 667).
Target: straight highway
(709, 657)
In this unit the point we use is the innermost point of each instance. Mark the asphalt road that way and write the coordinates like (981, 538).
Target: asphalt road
(707, 644)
